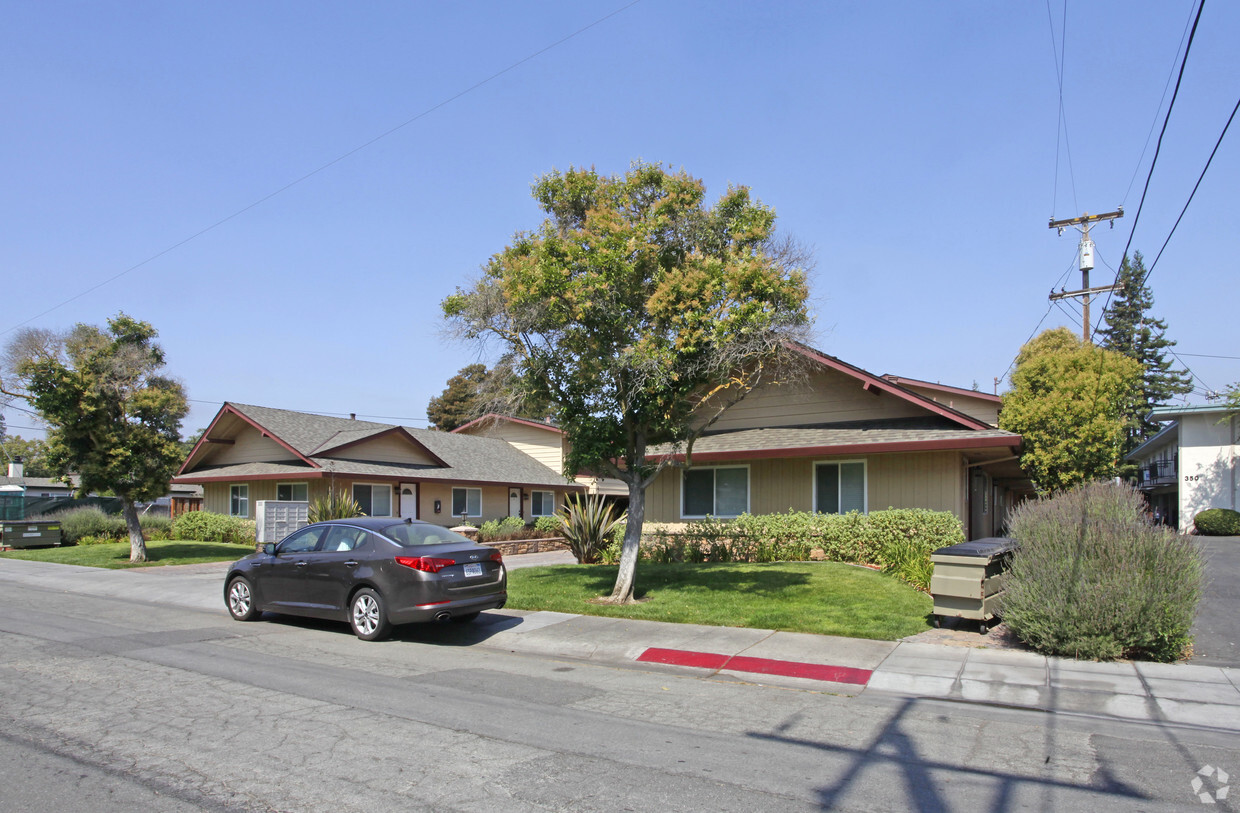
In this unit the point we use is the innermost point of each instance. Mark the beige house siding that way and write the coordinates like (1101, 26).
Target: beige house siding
(930, 480)
(385, 450)
(544, 445)
(979, 408)
(249, 446)
(828, 396)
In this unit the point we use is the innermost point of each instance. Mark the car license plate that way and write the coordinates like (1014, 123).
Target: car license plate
(473, 570)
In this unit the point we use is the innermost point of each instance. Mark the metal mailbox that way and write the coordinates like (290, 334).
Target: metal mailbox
(969, 578)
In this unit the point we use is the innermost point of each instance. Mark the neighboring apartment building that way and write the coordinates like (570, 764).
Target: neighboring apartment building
(1191, 464)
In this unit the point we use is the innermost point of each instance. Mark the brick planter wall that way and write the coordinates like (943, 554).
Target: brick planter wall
(515, 547)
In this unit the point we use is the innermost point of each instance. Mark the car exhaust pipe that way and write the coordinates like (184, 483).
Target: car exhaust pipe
(444, 616)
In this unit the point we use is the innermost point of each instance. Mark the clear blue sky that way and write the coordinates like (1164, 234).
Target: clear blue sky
(912, 145)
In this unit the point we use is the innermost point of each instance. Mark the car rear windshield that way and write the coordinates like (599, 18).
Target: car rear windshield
(410, 535)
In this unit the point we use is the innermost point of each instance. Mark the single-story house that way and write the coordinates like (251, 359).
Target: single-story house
(252, 453)
(1190, 465)
(843, 439)
(40, 494)
(546, 443)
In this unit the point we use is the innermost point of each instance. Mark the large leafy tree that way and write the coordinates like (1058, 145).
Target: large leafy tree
(1132, 331)
(112, 418)
(1067, 401)
(640, 314)
(460, 401)
(33, 453)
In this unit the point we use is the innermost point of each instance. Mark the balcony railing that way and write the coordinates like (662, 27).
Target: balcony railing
(1159, 473)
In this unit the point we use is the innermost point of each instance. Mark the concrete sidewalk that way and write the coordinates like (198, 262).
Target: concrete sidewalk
(1181, 694)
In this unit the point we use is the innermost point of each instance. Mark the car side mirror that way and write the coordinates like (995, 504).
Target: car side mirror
(269, 549)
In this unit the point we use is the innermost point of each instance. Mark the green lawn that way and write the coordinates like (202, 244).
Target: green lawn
(827, 598)
(116, 554)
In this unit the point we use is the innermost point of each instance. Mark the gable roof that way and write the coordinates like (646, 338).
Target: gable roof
(943, 388)
(495, 417)
(869, 381)
(320, 445)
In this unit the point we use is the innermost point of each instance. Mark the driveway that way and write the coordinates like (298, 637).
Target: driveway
(1217, 631)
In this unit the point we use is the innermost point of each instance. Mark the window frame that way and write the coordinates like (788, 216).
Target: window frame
(714, 501)
(372, 487)
(535, 499)
(292, 483)
(865, 483)
(466, 489)
(234, 496)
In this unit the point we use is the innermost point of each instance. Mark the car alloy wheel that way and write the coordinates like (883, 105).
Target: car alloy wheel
(367, 615)
(241, 600)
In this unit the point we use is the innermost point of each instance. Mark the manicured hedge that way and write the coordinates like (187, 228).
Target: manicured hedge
(1218, 522)
(898, 540)
(204, 526)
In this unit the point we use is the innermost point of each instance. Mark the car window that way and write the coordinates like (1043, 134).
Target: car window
(344, 538)
(305, 540)
(413, 534)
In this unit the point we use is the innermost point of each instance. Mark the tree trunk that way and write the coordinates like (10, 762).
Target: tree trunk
(137, 545)
(626, 577)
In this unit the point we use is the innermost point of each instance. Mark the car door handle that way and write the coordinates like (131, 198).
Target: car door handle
(350, 563)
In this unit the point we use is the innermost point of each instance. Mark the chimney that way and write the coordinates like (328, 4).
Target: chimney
(16, 469)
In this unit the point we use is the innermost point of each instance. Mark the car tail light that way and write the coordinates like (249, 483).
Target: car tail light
(497, 557)
(426, 564)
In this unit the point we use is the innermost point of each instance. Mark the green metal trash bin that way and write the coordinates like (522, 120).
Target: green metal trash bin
(969, 579)
(30, 534)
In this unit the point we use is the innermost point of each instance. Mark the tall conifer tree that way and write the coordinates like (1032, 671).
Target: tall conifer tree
(1131, 330)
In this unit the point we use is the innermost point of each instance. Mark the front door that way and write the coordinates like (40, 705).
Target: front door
(409, 501)
(514, 502)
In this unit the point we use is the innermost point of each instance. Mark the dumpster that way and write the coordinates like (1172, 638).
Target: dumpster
(969, 578)
(30, 534)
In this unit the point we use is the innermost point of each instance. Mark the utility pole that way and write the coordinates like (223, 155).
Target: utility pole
(1086, 254)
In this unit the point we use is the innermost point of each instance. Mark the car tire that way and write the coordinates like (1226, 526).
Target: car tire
(368, 615)
(240, 599)
(465, 618)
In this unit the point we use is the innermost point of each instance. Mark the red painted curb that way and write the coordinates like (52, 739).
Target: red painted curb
(764, 666)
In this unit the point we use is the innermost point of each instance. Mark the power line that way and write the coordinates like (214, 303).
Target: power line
(1154, 123)
(1061, 123)
(328, 165)
(1209, 356)
(324, 412)
(1158, 148)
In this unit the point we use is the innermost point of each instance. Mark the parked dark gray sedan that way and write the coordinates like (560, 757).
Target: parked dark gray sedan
(372, 572)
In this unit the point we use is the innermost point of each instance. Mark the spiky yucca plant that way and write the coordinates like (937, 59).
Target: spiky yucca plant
(587, 524)
(336, 505)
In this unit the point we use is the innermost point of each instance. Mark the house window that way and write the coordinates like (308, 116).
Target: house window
(239, 501)
(466, 502)
(374, 500)
(718, 492)
(542, 503)
(292, 492)
(839, 487)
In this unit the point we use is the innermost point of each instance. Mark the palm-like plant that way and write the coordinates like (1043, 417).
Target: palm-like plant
(336, 505)
(587, 524)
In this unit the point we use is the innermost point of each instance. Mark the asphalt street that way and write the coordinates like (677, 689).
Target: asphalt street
(109, 703)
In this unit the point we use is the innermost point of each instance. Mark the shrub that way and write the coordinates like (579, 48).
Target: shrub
(587, 523)
(1217, 522)
(95, 540)
(509, 525)
(1093, 578)
(334, 505)
(488, 531)
(76, 523)
(155, 527)
(899, 541)
(547, 526)
(204, 526)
